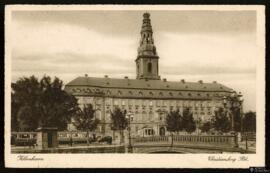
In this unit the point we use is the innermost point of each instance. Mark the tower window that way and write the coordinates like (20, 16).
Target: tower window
(149, 67)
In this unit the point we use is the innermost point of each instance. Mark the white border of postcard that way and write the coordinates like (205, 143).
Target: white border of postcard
(141, 160)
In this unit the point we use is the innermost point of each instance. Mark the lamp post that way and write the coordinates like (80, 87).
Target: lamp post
(235, 101)
(232, 101)
(241, 101)
(129, 116)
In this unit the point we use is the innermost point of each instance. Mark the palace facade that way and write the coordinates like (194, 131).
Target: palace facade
(148, 98)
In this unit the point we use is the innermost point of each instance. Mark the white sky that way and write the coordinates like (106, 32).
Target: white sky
(192, 45)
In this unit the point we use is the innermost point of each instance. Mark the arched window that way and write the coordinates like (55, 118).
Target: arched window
(149, 67)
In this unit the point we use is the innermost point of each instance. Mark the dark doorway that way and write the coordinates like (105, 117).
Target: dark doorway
(149, 68)
(162, 131)
(49, 140)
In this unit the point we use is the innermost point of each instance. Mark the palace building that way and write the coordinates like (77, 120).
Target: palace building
(148, 97)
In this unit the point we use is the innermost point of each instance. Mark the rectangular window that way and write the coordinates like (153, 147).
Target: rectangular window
(115, 102)
(130, 102)
(143, 117)
(99, 101)
(165, 103)
(179, 103)
(145, 102)
(123, 102)
(108, 101)
(150, 103)
(158, 102)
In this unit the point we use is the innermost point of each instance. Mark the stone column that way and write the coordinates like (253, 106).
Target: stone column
(47, 137)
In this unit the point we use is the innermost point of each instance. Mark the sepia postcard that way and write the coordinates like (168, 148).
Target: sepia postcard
(134, 86)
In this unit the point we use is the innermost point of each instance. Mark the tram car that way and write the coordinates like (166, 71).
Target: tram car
(64, 138)
(72, 137)
(23, 138)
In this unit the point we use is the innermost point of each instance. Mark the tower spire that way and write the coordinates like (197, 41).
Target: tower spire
(147, 41)
(147, 59)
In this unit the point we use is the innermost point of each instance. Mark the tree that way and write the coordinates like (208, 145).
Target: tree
(206, 126)
(189, 124)
(174, 121)
(249, 122)
(14, 114)
(221, 121)
(41, 103)
(119, 121)
(85, 119)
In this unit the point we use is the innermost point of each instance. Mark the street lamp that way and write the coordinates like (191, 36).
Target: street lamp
(241, 101)
(129, 116)
(235, 101)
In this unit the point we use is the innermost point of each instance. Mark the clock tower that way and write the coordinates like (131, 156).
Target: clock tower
(147, 59)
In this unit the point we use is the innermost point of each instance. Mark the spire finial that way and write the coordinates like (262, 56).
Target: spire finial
(146, 15)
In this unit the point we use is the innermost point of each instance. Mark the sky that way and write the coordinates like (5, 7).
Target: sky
(192, 45)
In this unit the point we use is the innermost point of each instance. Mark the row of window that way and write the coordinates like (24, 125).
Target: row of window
(151, 117)
(141, 93)
(131, 102)
(195, 109)
(161, 94)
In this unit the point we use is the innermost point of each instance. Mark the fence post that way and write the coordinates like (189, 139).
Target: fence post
(235, 140)
(246, 142)
(170, 140)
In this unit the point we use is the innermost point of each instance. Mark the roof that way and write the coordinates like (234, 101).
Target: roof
(143, 84)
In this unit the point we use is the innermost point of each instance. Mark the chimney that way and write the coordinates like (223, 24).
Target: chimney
(164, 80)
(86, 75)
(200, 81)
(214, 81)
(183, 80)
(106, 76)
(126, 77)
